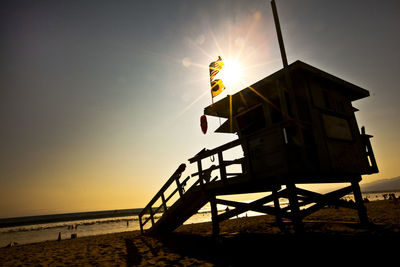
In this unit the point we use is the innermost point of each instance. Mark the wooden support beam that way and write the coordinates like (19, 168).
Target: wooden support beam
(233, 174)
(214, 216)
(242, 207)
(211, 152)
(229, 214)
(294, 208)
(151, 215)
(282, 193)
(369, 151)
(261, 201)
(146, 220)
(158, 209)
(362, 211)
(257, 205)
(235, 161)
(371, 156)
(176, 189)
(222, 168)
(164, 203)
(277, 207)
(333, 195)
(140, 224)
(200, 170)
(179, 186)
(321, 200)
(214, 179)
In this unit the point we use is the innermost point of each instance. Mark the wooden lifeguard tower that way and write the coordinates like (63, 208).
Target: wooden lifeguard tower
(296, 126)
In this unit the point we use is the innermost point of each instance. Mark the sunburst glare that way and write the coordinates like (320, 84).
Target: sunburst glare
(232, 74)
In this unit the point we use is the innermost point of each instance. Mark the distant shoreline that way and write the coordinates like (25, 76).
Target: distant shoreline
(379, 191)
(51, 218)
(76, 216)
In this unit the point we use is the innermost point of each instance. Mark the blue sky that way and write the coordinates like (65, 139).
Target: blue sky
(100, 100)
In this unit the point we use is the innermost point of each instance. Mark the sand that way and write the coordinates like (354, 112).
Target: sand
(332, 236)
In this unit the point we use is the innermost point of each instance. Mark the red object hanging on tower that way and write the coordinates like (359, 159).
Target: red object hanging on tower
(203, 123)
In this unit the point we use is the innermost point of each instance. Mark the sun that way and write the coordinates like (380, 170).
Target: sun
(231, 74)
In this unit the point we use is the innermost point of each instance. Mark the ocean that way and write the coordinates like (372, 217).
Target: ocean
(39, 232)
(48, 227)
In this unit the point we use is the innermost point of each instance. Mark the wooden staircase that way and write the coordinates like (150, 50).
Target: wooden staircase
(186, 203)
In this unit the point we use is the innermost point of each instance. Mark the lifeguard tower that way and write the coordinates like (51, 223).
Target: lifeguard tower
(296, 126)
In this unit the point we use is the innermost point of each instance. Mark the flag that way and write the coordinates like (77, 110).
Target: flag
(216, 84)
(215, 67)
(216, 87)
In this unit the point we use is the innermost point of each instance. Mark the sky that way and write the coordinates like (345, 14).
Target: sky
(100, 100)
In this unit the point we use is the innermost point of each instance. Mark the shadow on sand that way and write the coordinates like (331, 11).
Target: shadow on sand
(133, 257)
(245, 249)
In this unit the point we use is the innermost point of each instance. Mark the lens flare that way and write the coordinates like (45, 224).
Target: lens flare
(231, 74)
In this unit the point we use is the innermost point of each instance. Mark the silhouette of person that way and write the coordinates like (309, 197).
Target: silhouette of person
(180, 169)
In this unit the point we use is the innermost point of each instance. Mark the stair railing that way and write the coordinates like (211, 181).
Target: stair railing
(373, 167)
(205, 174)
(149, 209)
(203, 178)
(244, 161)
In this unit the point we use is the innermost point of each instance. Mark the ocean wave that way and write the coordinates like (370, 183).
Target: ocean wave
(68, 224)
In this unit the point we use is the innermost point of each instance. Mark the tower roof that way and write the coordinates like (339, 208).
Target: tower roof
(249, 97)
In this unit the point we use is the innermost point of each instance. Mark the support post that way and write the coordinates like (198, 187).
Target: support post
(140, 223)
(214, 217)
(362, 211)
(277, 207)
(179, 186)
(199, 167)
(221, 166)
(294, 208)
(164, 202)
(151, 215)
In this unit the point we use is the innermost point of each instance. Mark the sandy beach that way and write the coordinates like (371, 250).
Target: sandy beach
(331, 233)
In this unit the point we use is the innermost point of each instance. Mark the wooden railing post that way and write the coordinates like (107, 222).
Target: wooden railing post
(222, 168)
(151, 215)
(179, 186)
(140, 223)
(160, 194)
(371, 155)
(164, 203)
(199, 167)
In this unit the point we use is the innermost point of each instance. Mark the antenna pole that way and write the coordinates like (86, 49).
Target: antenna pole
(279, 34)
